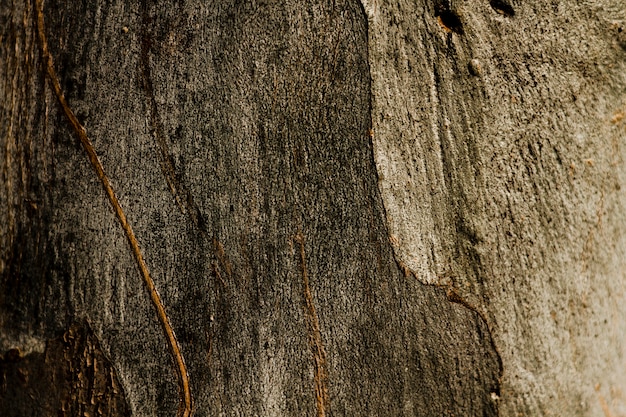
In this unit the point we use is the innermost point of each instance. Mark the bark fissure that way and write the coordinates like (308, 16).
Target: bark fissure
(185, 407)
(322, 399)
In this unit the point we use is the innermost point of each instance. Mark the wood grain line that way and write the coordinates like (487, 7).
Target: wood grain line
(185, 407)
(315, 339)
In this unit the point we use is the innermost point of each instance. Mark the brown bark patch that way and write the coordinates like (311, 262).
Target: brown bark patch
(72, 377)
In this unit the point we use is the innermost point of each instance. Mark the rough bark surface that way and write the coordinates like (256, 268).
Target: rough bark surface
(246, 142)
(236, 138)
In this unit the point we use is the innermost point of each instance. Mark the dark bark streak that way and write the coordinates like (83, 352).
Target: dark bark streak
(183, 197)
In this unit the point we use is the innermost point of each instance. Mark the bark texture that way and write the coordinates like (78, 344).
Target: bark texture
(247, 143)
(499, 139)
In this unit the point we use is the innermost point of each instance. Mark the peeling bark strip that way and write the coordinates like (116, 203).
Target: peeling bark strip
(185, 405)
(315, 338)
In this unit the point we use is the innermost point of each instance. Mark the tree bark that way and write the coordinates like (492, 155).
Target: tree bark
(344, 208)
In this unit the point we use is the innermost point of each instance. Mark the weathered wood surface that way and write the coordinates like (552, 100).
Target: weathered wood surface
(247, 144)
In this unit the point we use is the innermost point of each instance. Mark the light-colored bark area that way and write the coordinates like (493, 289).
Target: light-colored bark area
(499, 139)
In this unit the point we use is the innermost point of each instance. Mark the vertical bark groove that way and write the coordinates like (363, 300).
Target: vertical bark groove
(182, 195)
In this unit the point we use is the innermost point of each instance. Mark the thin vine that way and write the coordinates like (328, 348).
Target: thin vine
(185, 407)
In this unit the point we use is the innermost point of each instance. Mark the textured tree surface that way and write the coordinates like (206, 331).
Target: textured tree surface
(348, 209)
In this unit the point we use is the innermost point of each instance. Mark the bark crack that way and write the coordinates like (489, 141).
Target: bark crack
(185, 407)
(322, 399)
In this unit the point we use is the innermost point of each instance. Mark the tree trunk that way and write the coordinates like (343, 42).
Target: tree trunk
(312, 208)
